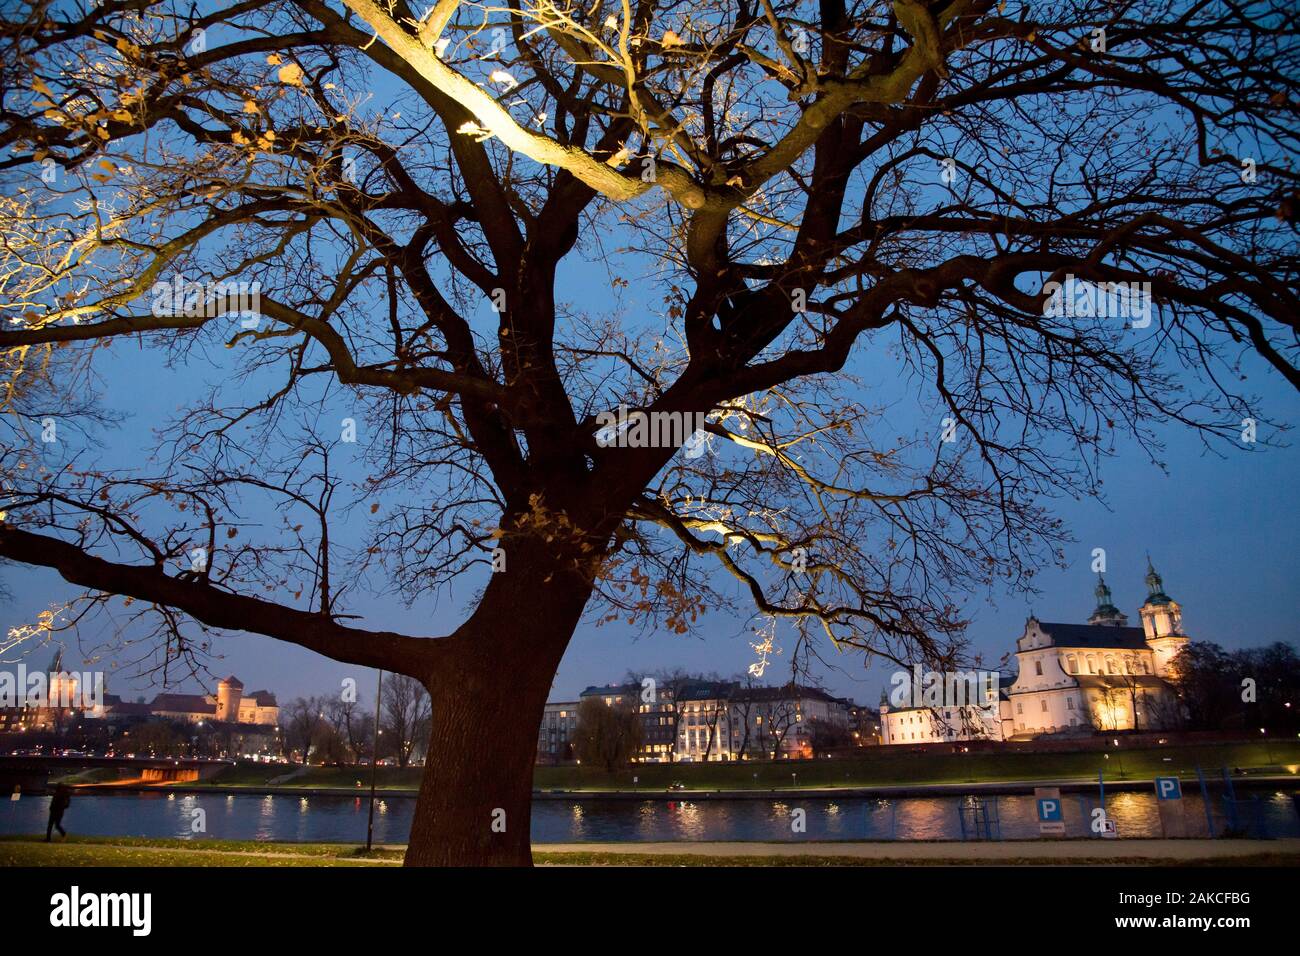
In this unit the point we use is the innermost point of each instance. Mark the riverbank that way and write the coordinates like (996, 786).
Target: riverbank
(135, 852)
(882, 772)
(1000, 788)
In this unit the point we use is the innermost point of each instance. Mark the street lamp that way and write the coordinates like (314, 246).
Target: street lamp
(374, 764)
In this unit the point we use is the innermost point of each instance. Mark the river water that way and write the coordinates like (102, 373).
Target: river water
(343, 819)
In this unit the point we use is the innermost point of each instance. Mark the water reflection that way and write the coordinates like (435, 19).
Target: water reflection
(925, 820)
(319, 818)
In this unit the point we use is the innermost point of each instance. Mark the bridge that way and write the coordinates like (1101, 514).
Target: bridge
(31, 772)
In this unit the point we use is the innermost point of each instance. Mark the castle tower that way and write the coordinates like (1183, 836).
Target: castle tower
(1162, 620)
(61, 691)
(1106, 613)
(229, 692)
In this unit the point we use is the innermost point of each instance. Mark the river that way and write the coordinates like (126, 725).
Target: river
(343, 819)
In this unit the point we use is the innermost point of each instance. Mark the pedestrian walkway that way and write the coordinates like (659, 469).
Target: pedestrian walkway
(1048, 851)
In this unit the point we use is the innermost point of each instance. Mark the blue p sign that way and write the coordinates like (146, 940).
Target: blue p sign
(1168, 788)
(1049, 810)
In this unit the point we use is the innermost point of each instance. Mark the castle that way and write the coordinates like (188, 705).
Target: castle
(229, 705)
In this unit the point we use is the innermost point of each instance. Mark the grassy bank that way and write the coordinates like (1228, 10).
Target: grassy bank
(880, 767)
(138, 852)
(889, 767)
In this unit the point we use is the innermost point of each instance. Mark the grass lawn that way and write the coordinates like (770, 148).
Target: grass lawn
(139, 852)
(888, 767)
(261, 774)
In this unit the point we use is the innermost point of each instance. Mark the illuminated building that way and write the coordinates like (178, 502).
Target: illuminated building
(1103, 675)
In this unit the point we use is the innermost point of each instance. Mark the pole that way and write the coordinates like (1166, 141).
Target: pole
(1205, 802)
(1229, 799)
(374, 764)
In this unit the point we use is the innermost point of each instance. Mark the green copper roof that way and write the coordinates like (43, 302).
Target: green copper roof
(1156, 587)
(1105, 606)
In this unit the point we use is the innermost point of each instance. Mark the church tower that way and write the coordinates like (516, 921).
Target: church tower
(1162, 620)
(1107, 614)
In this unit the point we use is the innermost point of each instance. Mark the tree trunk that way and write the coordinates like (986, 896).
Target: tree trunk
(489, 689)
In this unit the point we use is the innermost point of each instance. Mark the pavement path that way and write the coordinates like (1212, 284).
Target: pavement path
(1044, 852)
(1154, 851)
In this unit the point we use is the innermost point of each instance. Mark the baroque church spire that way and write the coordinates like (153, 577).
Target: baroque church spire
(1155, 586)
(1106, 612)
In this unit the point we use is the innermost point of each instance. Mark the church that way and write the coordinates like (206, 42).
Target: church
(1101, 676)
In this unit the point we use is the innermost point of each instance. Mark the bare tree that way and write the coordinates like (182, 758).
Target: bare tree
(407, 710)
(826, 735)
(827, 198)
(306, 723)
(714, 717)
(672, 687)
(776, 714)
(742, 707)
(607, 736)
(351, 726)
(359, 727)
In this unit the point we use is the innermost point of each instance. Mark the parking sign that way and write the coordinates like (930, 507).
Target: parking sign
(1168, 788)
(1051, 816)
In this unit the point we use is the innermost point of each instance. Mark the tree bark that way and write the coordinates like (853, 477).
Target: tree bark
(489, 691)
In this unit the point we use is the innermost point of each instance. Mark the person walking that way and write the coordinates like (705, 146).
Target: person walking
(58, 804)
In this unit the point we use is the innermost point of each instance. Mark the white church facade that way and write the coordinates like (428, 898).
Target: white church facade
(1102, 676)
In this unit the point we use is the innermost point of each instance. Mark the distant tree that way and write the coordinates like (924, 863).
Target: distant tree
(407, 712)
(1273, 673)
(672, 686)
(825, 735)
(777, 714)
(1137, 688)
(606, 736)
(714, 718)
(360, 730)
(742, 706)
(1205, 678)
(346, 719)
(156, 738)
(330, 745)
(1104, 714)
(306, 719)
